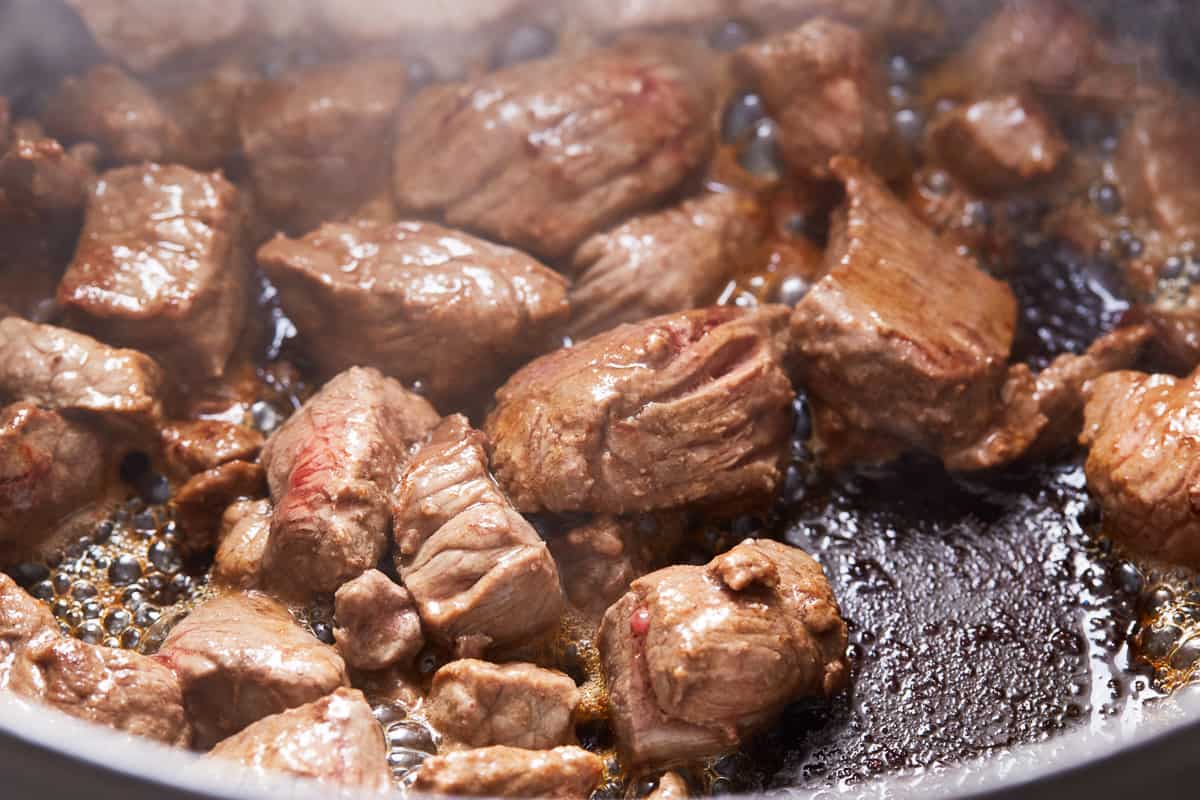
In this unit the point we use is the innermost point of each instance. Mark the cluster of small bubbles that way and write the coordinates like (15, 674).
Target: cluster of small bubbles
(1177, 276)
(409, 741)
(1169, 634)
(909, 121)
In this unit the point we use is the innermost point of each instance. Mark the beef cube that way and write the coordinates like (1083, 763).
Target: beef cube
(318, 140)
(564, 772)
(50, 468)
(242, 540)
(1144, 462)
(207, 111)
(125, 691)
(241, 657)
(542, 154)
(1160, 169)
(40, 180)
(672, 260)
(687, 408)
(331, 469)
(60, 369)
(417, 301)
(479, 704)
(334, 740)
(600, 558)
(23, 621)
(194, 446)
(481, 576)
(377, 623)
(158, 266)
(999, 144)
(696, 658)
(824, 86)
(201, 501)
(903, 322)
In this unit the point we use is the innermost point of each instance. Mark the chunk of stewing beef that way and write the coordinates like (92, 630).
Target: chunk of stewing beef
(825, 87)
(998, 144)
(23, 621)
(564, 772)
(418, 301)
(672, 260)
(242, 540)
(902, 322)
(241, 657)
(159, 267)
(377, 625)
(1159, 168)
(1144, 461)
(479, 704)
(686, 408)
(193, 446)
(696, 658)
(544, 153)
(60, 369)
(318, 141)
(330, 469)
(203, 498)
(40, 180)
(334, 740)
(481, 576)
(50, 468)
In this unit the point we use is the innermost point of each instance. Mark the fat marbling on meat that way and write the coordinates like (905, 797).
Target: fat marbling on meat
(698, 657)
(481, 576)
(685, 408)
(333, 740)
(159, 266)
(417, 301)
(542, 154)
(331, 469)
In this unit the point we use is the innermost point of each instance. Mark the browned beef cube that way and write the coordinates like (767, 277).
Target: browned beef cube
(207, 111)
(418, 301)
(564, 772)
(39, 179)
(698, 657)
(334, 740)
(377, 623)
(195, 446)
(824, 85)
(902, 322)
(673, 260)
(60, 369)
(544, 153)
(125, 691)
(159, 268)
(200, 502)
(241, 657)
(22, 620)
(331, 469)
(1144, 461)
(686, 408)
(318, 141)
(242, 540)
(478, 704)
(50, 467)
(481, 576)
(999, 144)
(1159, 167)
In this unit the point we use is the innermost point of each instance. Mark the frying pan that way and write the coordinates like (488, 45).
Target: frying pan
(44, 754)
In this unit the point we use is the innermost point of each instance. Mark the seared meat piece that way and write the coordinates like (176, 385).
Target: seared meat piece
(60, 369)
(696, 658)
(318, 140)
(417, 301)
(1144, 461)
(377, 623)
(117, 688)
(245, 527)
(478, 704)
(599, 559)
(671, 786)
(335, 740)
(1046, 45)
(902, 322)
(23, 620)
(331, 468)
(194, 446)
(50, 467)
(672, 260)
(158, 266)
(564, 772)
(241, 657)
(687, 408)
(1159, 167)
(824, 85)
(38, 178)
(999, 144)
(201, 501)
(481, 576)
(544, 153)
(207, 111)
